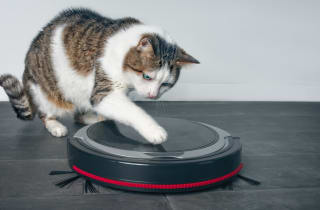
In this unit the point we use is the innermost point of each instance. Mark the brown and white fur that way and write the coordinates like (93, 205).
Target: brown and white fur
(84, 64)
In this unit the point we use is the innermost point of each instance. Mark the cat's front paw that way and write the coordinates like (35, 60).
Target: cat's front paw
(56, 128)
(155, 134)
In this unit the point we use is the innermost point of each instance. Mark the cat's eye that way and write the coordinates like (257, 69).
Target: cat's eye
(166, 84)
(146, 77)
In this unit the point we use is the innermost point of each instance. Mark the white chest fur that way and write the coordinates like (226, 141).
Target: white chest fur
(75, 87)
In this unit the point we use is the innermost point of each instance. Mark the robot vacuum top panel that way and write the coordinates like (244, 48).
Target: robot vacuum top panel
(186, 140)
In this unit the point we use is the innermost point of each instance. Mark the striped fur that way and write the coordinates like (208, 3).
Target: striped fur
(84, 64)
(17, 96)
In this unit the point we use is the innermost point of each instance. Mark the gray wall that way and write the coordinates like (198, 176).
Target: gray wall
(249, 50)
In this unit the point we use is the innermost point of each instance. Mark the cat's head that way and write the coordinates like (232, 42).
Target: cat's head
(153, 66)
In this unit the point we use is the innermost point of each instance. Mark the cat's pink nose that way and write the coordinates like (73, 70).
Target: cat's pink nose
(151, 95)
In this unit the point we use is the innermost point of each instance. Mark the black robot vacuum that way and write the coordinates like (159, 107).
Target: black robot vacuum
(195, 156)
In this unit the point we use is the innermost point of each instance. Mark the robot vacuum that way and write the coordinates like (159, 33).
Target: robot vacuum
(195, 156)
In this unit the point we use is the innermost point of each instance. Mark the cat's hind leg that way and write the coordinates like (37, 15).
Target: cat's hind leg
(48, 111)
(54, 127)
(88, 117)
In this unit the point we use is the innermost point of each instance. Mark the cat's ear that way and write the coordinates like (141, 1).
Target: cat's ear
(145, 45)
(184, 58)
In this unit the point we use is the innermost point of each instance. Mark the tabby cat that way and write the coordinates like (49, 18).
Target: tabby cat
(84, 64)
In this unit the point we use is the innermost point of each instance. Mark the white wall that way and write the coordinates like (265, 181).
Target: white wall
(249, 50)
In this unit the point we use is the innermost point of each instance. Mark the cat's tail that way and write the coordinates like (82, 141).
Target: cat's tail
(17, 96)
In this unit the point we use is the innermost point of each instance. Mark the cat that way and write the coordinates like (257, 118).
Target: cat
(84, 64)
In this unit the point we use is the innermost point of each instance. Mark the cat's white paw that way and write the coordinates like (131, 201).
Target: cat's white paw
(155, 134)
(56, 128)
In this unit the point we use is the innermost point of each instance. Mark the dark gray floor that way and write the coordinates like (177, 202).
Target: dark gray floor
(281, 148)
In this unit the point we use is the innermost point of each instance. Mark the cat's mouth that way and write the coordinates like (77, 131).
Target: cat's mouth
(153, 97)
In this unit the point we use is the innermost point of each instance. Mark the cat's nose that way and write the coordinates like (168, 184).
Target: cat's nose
(150, 95)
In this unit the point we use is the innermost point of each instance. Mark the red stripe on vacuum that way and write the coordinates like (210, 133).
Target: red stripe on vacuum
(158, 186)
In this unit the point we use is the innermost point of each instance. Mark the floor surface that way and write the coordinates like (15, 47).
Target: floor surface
(281, 148)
